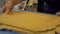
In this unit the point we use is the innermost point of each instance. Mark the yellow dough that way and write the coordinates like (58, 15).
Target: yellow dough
(29, 21)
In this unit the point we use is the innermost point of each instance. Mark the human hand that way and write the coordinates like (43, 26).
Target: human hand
(58, 13)
(7, 7)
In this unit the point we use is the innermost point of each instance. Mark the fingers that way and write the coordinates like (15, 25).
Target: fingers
(4, 9)
(58, 13)
(7, 8)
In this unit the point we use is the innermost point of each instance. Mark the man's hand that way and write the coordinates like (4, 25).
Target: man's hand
(58, 13)
(8, 7)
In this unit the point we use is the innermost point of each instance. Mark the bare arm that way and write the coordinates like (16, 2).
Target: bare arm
(9, 5)
(16, 1)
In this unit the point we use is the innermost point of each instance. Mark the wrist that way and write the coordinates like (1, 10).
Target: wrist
(14, 2)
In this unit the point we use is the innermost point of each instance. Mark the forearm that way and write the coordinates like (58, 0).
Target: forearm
(16, 1)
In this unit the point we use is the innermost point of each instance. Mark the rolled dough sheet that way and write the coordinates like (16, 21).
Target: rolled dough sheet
(30, 20)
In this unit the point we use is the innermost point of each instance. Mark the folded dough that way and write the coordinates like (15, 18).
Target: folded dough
(30, 20)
